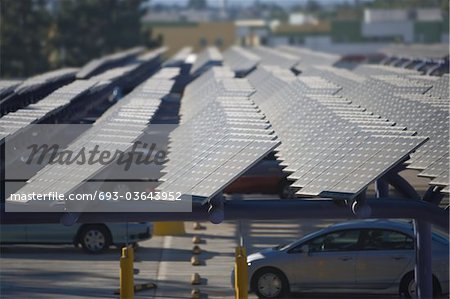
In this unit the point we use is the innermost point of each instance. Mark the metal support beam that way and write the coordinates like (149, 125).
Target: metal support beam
(402, 186)
(360, 208)
(433, 195)
(259, 209)
(422, 269)
(381, 188)
(216, 209)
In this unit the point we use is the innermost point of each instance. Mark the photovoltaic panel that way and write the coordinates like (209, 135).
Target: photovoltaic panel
(116, 130)
(414, 102)
(272, 57)
(209, 57)
(240, 60)
(331, 144)
(221, 135)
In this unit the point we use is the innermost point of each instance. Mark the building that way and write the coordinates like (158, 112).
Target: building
(252, 32)
(423, 25)
(196, 35)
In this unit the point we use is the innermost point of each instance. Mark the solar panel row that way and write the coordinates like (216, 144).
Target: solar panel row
(240, 60)
(273, 57)
(179, 58)
(115, 131)
(209, 57)
(415, 102)
(221, 135)
(309, 57)
(7, 87)
(16, 94)
(418, 51)
(15, 121)
(68, 95)
(97, 66)
(330, 145)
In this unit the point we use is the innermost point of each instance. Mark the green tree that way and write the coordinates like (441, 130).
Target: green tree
(91, 28)
(24, 28)
(197, 4)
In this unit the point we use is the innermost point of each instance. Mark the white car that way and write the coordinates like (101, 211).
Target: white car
(366, 256)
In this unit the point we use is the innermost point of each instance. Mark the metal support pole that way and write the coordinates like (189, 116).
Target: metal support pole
(381, 188)
(127, 273)
(422, 269)
(241, 273)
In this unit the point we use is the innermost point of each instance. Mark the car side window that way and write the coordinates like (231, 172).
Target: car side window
(378, 239)
(345, 240)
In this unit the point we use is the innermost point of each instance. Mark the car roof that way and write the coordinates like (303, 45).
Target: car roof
(404, 226)
(373, 223)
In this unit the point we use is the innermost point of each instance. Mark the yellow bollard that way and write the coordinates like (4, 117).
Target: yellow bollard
(241, 273)
(127, 273)
(169, 228)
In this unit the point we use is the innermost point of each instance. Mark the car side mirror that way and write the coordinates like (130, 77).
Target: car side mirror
(304, 249)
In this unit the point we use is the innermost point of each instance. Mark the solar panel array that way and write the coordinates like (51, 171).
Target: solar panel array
(69, 94)
(240, 60)
(330, 146)
(221, 135)
(15, 121)
(180, 57)
(335, 131)
(414, 102)
(209, 57)
(418, 51)
(7, 87)
(273, 57)
(14, 96)
(99, 65)
(309, 57)
(115, 131)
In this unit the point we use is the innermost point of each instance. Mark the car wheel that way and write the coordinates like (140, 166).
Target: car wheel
(95, 238)
(270, 283)
(408, 286)
(286, 191)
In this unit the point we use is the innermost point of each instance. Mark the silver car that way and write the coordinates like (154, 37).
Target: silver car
(367, 256)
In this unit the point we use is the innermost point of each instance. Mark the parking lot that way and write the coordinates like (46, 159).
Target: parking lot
(42, 271)
(52, 271)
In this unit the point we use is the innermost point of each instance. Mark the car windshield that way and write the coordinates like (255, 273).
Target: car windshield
(278, 247)
(441, 238)
(285, 246)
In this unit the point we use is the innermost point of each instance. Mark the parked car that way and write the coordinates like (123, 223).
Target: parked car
(94, 238)
(266, 177)
(368, 256)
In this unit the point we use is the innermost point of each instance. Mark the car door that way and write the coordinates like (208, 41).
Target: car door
(384, 256)
(51, 233)
(13, 233)
(329, 262)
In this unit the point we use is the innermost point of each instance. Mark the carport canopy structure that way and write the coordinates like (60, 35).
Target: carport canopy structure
(334, 131)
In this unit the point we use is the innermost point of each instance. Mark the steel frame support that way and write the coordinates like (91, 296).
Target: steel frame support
(433, 195)
(381, 188)
(424, 214)
(402, 186)
(259, 209)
